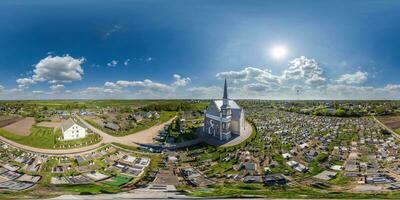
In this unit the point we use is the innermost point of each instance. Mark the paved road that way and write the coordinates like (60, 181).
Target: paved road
(141, 137)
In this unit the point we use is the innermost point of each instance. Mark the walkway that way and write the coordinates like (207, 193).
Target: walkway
(141, 137)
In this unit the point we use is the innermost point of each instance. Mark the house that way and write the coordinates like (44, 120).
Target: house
(275, 179)
(252, 179)
(148, 115)
(72, 130)
(112, 126)
(155, 114)
(250, 166)
(137, 118)
(326, 175)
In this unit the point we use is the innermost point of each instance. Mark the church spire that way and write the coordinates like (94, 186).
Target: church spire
(225, 91)
(225, 100)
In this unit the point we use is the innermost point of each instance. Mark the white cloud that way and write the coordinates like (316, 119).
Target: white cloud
(114, 29)
(146, 87)
(149, 59)
(316, 80)
(113, 63)
(205, 92)
(307, 69)
(38, 92)
(146, 84)
(57, 87)
(25, 82)
(126, 62)
(257, 87)
(304, 79)
(179, 81)
(55, 69)
(356, 78)
(251, 73)
(100, 91)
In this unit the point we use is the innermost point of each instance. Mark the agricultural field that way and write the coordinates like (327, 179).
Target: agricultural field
(21, 127)
(392, 122)
(6, 120)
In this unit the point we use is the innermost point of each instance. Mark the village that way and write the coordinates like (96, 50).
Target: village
(285, 149)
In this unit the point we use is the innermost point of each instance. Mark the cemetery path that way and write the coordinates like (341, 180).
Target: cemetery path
(141, 137)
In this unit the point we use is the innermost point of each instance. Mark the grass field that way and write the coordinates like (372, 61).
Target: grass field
(118, 181)
(46, 138)
(143, 125)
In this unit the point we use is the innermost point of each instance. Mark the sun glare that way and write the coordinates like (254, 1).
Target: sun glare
(278, 52)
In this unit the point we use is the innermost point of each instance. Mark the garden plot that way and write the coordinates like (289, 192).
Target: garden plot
(51, 124)
(21, 127)
(6, 120)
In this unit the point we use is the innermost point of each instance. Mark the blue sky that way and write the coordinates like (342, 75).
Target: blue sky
(182, 49)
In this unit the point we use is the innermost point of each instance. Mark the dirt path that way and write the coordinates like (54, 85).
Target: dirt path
(141, 137)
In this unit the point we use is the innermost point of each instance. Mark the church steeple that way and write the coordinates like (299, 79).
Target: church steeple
(225, 100)
(225, 91)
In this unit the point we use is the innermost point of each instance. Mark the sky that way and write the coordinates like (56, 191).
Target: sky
(157, 49)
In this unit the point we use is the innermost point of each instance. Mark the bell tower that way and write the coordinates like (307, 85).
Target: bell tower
(226, 114)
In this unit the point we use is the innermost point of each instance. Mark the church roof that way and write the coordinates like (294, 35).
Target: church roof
(232, 104)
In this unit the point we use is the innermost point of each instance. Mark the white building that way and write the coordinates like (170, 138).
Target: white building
(72, 130)
(224, 117)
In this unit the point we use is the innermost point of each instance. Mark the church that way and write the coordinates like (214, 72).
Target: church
(223, 118)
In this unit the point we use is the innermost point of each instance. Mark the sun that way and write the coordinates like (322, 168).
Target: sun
(278, 52)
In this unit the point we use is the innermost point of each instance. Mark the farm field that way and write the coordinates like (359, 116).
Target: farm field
(6, 120)
(21, 127)
(50, 124)
(392, 122)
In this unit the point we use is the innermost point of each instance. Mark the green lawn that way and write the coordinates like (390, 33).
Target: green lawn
(143, 125)
(118, 181)
(46, 138)
(40, 137)
(398, 131)
(314, 165)
(340, 179)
